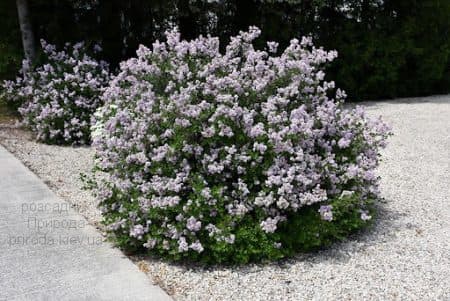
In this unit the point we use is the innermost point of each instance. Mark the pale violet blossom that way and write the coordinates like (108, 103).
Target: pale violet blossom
(203, 142)
(326, 212)
(58, 100)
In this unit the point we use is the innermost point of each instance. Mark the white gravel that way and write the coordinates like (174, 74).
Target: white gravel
(406, 256)
(58, 166)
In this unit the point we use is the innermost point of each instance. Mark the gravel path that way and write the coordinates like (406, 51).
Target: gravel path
(406, 256)
(60, 168)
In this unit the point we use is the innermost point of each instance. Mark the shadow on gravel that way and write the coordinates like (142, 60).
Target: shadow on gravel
(382, 231)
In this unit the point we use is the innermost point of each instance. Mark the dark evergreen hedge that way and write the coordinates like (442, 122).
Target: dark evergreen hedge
(390, 48)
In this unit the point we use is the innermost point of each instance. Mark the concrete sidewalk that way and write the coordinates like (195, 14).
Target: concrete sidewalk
(49, 252)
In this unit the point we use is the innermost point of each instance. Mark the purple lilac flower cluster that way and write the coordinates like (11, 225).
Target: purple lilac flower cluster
(59, 97)
(196, 143)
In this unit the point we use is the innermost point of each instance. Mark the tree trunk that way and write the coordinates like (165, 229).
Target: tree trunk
(26, 29)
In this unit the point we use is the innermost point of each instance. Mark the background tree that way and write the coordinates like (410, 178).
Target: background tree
(389, 48)
(26, 29)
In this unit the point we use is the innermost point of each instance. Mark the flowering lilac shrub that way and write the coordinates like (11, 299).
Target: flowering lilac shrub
(57, 99)
(232, 157)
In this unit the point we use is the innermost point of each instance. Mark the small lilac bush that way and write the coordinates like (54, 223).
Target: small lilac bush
(233, 157)
(57, 99)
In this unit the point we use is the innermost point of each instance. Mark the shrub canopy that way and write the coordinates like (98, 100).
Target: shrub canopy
(222, 157)
(58, 98)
